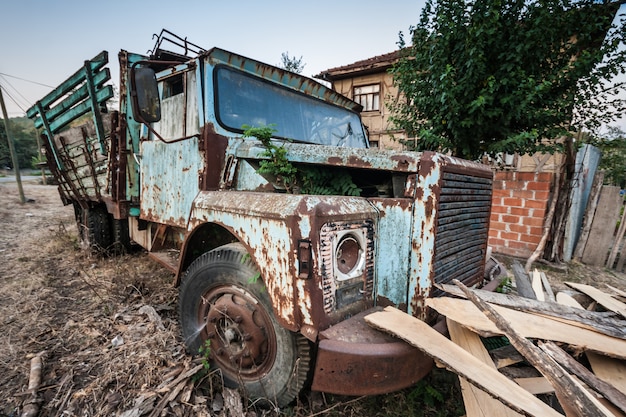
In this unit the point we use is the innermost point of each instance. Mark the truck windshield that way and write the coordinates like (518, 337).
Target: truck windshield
(242, 99)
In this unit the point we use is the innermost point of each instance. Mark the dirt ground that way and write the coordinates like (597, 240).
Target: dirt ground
(107, 328)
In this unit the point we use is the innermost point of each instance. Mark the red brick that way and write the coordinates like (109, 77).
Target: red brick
(507, 218)
(535, 204)
(504, 175)
(539, 213)
(531, 239)
(497, 226)
(539, 186)
(500, 209)
(535, 231)
(512, 202)
(515, 185)
(518, 228)
(501, 193)
(497, 201)
(518, 245)
(519, 211)
(526, 176)
(509, 236)
(523, 194)
(533, 221)
(495, 242)
(542, 195)
(545, 177)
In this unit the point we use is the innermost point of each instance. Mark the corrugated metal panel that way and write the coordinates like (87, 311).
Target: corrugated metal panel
(462, 227)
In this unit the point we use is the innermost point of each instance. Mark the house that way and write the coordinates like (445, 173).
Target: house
(368, 83)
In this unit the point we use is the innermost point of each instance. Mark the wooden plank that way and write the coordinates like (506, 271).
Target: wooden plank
(505, 356)
(617, 291)
(532, 326)
(610, 370)
(616, 242)
(602, 228)
(547, 287)
(571, 394)
(592, 204)
(609, 392)
(601, 297)
(594, 320)
(522, 282)
(535, 385)
(538, 286)
(567, 300)
(456, 359)
(477, 402)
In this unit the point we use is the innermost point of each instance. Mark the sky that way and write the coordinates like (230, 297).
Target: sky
(46, 41)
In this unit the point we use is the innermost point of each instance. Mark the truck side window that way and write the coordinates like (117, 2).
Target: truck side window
(179, 106)
(173, 86)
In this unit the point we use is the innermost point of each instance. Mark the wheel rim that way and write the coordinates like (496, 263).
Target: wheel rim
(241, 332)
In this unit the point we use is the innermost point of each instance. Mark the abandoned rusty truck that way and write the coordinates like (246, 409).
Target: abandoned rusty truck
(274, 277)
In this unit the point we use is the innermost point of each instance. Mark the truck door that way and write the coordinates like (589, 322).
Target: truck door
(171, 163)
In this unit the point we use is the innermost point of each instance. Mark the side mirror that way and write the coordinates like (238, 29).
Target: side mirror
(145, 97)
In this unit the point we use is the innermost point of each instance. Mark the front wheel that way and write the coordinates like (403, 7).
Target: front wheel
(223, 300)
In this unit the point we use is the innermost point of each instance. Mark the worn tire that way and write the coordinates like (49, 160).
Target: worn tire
(121, 236)
(94, 227)
(222, 298)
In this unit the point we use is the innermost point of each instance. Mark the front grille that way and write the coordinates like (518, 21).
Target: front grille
(338, 294)
(462, 228)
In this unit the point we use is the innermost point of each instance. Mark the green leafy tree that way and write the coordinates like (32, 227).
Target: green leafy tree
(25, 140)
(490, 76)
(291, 63)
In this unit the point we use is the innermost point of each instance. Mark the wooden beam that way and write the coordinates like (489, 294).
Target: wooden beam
(538, 286)
(610, 370)
(565, 299)
(602, 298)
(477, 402)
(569, 391)
(453, 357)
(535, 385)
(522, 282)
(528, 325)
(609, 392)
(547, 287)
(593, 320)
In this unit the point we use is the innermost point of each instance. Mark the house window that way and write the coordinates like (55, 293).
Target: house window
(368, 96)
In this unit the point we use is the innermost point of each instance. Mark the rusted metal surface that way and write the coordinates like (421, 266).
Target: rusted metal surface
(354, 359)
(342, 157)
(270, 226)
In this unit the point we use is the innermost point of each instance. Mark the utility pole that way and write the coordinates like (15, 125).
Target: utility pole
(16, 166)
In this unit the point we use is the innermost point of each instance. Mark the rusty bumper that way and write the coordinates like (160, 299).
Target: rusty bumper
(354, 359)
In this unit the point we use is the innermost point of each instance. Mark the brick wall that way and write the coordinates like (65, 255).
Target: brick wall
(518, 209)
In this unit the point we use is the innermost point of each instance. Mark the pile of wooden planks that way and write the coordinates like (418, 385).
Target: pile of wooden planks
(569, 357)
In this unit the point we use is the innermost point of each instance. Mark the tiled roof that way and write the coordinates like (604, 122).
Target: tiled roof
(370, 65)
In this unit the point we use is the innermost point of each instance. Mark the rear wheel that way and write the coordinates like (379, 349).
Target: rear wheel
(223, 300)
(94, 227)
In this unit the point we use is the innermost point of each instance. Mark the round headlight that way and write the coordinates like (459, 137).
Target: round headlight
(348, 254)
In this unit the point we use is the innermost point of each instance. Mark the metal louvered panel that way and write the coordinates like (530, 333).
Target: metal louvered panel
(462, 228)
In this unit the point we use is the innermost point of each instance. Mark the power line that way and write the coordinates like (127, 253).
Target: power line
(24, 79)
(24, 99)
(12, 99)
